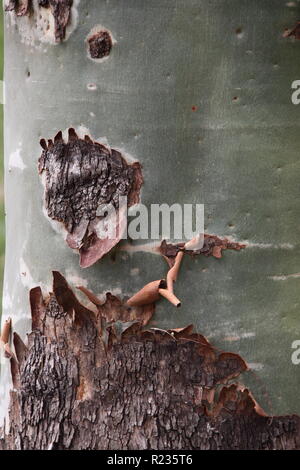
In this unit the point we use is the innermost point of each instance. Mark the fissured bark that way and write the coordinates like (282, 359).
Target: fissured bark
(91, 380)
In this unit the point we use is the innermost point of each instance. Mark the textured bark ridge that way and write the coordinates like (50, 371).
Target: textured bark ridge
(80, 176)
(87, 380)
(212, 246)
(60, 10)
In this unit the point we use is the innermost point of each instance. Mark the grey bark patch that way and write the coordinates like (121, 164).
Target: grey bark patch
(86, 384)
(100, 44)
(80, 176)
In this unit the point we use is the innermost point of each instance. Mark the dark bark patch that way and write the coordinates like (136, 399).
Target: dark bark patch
(212, 246)
(146, 389)
(100, 44)
(20, 7)
(80, 176)
(61, 11)
(294, 32)
(72, 395)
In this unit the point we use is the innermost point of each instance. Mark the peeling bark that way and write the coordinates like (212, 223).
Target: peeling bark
(92, 381)
(20, 7)
(60, 10)
(80, 176)
(212, 246)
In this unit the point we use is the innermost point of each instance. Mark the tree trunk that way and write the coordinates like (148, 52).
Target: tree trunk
(87, 383)
(199, 94)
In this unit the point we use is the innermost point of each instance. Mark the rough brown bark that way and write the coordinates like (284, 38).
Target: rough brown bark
(93, 378)
(80, 176)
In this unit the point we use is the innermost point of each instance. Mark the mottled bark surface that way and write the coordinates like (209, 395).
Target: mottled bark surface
(87, 380)
(20, 7)
(60, 10)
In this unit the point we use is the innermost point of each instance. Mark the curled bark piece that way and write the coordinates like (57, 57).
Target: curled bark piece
(92, 297)
(173, 272)
(170, 297)
(174, 383)
(148, 294)
(114, 309)
(80, 176)
(152, 291)
(6, 329)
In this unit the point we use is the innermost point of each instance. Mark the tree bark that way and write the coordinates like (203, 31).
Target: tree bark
(88, 383)
(198, 92)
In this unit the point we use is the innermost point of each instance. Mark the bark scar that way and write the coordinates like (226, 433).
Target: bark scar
(100, 44)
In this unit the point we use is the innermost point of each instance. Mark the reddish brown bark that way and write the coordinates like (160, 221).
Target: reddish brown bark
(98, 380)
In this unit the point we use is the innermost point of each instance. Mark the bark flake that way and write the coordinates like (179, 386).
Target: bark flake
(212, 246)
(81, 176)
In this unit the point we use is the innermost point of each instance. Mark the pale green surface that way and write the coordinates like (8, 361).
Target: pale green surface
(240, 158)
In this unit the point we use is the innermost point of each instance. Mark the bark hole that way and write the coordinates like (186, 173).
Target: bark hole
(100, 44)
